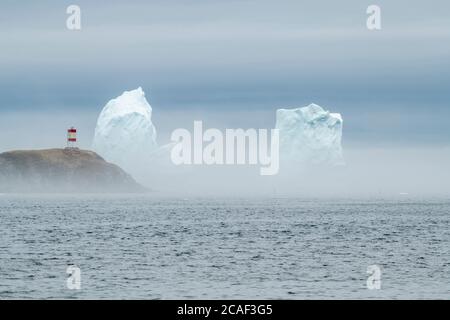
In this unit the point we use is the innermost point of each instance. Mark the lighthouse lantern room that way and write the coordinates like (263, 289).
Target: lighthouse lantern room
(71, 138)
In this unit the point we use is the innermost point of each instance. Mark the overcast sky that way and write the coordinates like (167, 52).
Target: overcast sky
(231, 58)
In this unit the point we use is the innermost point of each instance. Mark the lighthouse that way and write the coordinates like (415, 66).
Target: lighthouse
(71, 138)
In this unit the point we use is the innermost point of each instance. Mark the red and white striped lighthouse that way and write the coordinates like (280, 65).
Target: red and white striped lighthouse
(71, 137)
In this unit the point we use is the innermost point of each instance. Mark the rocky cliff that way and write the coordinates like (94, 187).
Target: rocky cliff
(62, 170)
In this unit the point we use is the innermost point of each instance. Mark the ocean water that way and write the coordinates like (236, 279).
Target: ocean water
(143, 247)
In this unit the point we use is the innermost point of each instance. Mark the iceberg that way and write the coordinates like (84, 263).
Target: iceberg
(125, 134)
(310, 135)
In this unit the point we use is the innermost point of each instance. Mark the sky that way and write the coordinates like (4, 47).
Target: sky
(232, 63)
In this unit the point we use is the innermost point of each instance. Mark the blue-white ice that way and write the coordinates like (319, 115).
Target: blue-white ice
(125, 132)
(310, 135)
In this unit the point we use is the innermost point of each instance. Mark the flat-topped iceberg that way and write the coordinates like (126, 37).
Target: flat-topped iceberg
(310, 135)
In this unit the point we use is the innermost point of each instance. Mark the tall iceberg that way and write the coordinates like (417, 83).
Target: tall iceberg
(310, 135)
(125, 134)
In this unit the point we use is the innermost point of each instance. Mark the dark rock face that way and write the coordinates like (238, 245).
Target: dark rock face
(62, 170)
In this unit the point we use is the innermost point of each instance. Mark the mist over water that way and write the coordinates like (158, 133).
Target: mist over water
(226, 232)
(369, 170)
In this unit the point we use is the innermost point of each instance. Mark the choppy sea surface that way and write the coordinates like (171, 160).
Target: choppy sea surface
(142, 247)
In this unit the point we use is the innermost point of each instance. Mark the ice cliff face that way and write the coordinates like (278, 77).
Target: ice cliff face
(125, 133)
(125, 136)
(310, 135)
